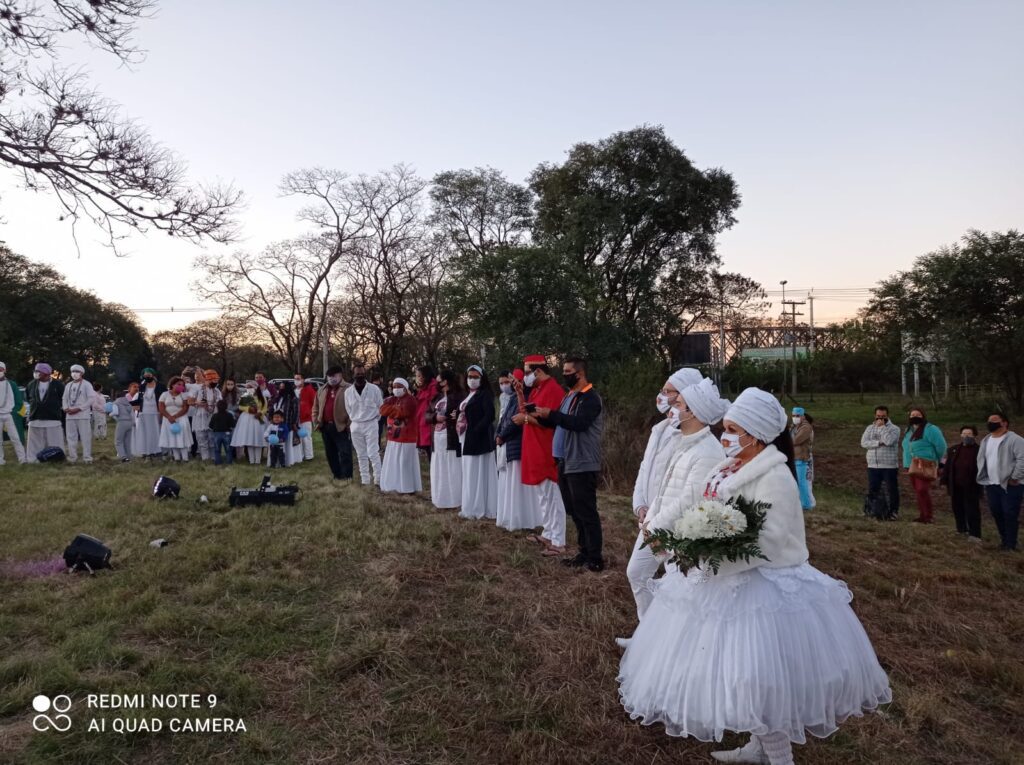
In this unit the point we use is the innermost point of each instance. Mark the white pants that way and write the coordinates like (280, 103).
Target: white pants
(643, 565)
(7, 426)
(204, 444)
(79, 430)
(41, 438)
(366, 441)
(307, 440)
(552, 512)
(99, 424)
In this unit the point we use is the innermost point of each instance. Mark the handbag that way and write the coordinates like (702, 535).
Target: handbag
(927, 470)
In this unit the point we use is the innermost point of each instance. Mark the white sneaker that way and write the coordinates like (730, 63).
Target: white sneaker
(622, 643)
(751, 752)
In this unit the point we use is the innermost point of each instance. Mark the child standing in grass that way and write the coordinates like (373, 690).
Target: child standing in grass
(277, 435)
(124, 415)
(221, 425)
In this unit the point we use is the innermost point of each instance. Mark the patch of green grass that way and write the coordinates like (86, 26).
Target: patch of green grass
(360, 627)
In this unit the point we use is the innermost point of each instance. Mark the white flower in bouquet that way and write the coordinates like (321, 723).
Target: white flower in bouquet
(710, 519)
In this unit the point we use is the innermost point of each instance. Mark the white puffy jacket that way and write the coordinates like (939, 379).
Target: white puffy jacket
(661, 447)
(766, 478)
(695, 457)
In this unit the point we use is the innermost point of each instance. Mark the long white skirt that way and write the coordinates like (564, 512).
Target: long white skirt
(445, 474)
(146, 438)
(180, 440)
(479, 486)
(517, 504)
(763, 651)
(248, 431)
(401, 469)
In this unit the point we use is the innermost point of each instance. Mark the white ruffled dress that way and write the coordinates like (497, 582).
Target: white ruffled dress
(764, 649)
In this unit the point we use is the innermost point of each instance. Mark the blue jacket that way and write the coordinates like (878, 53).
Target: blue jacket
(510, 433)
(931, 446)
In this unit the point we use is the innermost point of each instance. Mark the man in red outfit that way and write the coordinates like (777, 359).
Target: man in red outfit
(538, 464)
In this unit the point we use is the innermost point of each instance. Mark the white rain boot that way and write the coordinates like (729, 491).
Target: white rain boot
(752, 752)
(778, 748)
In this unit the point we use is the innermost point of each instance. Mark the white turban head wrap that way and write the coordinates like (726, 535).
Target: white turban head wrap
(402, 381)
(705, 402)
(78, 368)
(759, 413)
(3, 366)
(685, 377)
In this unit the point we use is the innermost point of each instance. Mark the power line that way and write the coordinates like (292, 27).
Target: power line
(190, 309)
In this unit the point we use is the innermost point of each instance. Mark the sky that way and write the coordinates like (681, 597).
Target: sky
(861, 135)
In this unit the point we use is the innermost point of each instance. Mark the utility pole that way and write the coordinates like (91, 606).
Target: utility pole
(721, 335)
(783, 283)
(793, 304)
(810, 301)
(323, 332)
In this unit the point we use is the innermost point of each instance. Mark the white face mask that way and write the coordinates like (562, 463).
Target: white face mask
(3, 374)
(473, 383)
(76, 375)
(530, 379)
(797, 420)
(731, 443)
(335, 380)
(298, 383)
(505, 387)
(36, 375)
(399, 392)
(663, 405)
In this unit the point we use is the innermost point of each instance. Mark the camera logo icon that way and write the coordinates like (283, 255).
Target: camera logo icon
(60, 722)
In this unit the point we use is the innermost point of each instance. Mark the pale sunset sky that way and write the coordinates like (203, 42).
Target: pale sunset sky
(861, 134)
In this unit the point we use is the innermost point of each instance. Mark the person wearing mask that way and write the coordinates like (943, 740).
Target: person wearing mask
(99, 412)
(363, 401)
(959, 474)
(802, 433)
(45, 397)
(881, 441)
(445, 457)
(539, 469)
(77, 405)
(146, 441)
(206, 397)
(221, 425)
(174, 412)
(11, 407)
(923, 449)
(517, 503)
(426, 392)
(269, 393)
(331, 418)
(124, 417)
(401, 469)
(248, 433)
(287, 405)
(770, 647)
(230, 393)
(479, 472)
(576, 448)
(194, 383)
(1001, 472)
(661, 449)
(306, 394)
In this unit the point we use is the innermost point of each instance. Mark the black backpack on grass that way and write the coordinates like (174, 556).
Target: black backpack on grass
(50, 454)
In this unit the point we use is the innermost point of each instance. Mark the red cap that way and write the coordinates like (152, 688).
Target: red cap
(536, 358)
(518, 374)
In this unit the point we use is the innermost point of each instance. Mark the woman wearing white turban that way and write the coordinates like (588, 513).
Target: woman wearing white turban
(400, 471)
(771, 647)
(661, 451)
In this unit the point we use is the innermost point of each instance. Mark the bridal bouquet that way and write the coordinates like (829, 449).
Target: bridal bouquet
(709, 532)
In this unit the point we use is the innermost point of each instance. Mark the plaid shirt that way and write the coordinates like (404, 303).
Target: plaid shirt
(887, 455)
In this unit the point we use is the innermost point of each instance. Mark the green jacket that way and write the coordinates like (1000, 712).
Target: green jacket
(931, 445)
(19, 408)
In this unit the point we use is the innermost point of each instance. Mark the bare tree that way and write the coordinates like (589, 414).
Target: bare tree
(435, 318)
(59, 135)
(282, 291)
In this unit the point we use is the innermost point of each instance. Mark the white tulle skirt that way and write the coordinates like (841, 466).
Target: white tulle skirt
(767, 650)
(248, 431)
(445, 474)
(479, 486)
(517, 504)
(401, 469)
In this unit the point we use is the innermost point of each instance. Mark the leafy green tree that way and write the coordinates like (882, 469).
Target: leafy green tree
(480, 210)
(967, 301)
(634, 215)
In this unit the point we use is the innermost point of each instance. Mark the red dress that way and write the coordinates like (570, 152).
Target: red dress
(425, 429)
(537, 463)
